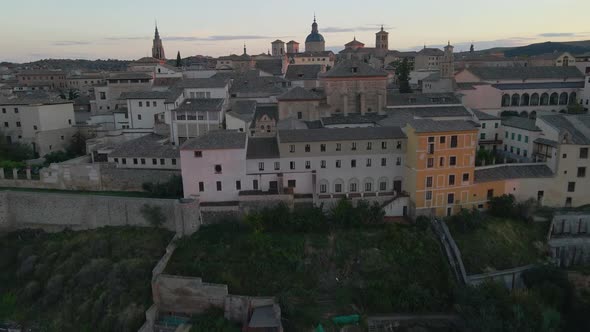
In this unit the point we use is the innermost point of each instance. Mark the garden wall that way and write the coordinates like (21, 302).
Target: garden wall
(55, 212)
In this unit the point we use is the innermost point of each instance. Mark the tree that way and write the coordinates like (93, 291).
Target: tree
(69, 94)
(77, 146)
(178, 60)
(502, 206)
(14, 151)
(403, 76)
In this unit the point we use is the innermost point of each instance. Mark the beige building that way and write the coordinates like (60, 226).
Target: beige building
(55, 79)
(107, 95)
(353, 86)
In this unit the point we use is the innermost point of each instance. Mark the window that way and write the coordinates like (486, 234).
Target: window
(451, 198)
(519, 137)
(369, 162)
(526, 139)
(428, 195)
(429, 182)
(124, 160)
(506, 134)
(353, 147)
(451, 180)
(353, 163)
(441, 162)
(147, 104)
(154, 104)
(162, 161)
(431, 139)
(217, 169)
(255, 184)
(116, 160)
(323, 164)
(490, 193)
(430, 163)
(238, 185)
(198, 154)
(299, 115)
(443, 140)
(564, 156)
(277, 165)
(140, 104)
(383, 145)
(465, 177)
(173, 161)
(581, 172)
(142, 161)
(512, 136)
(496, 125)
(307, 164)
(338, 147)
(103, 95)
(323, 147)
(453, 161)
(16, 110)
(571, 187)
(69, 121)
(6, 124)
(383, 162)
(583, 153)
(454, 141)
(399, 145)
(482, 136)
(201, 186)
(292, 148)
(369, 145)
(568, 202)
(218, 185)
(338, 187)
(338, 164)
(261, 166)
(292, 165)
(430, 148)
(352, 187)
(291, 183)
(323, 188)
(134, 161)
(383, 186)
(307, 148)
(368, 186)
(138, 116)
(398, 161)
(483, 125)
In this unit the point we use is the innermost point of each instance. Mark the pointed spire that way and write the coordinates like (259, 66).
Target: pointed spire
(381, 27)
(156, 34)
(314, 17)
(245, 48)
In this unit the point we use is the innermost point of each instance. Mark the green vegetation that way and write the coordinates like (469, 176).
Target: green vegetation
(169, 189)
(402, 70)
(13, 154)
(79, 281)
(76, 148)
(549, 304)
(316, 272)
(492, 243)
(212, 321)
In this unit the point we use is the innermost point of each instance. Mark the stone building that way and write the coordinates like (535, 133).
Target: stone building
(353, 86)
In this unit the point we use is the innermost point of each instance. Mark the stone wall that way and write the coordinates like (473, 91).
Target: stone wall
(123, 179)
(55, 212)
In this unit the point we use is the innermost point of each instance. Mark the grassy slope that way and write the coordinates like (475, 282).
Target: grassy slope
(500, 244)
(379, 270)
(79, 281)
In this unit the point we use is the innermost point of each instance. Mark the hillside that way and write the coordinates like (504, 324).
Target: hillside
(549, 47)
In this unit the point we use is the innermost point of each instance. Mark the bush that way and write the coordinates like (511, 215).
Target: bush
(502, 206)
(153, 215)
(467, 220)
(56, 157)
(422, 223)
(170, 189)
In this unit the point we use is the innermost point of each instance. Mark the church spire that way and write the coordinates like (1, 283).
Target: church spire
(157, 47)
(245, 49)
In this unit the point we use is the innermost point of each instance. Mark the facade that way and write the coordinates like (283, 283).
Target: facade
(43, 123)
(54, 79)
(519, 135)
(428, 58)
(107, 96)
(85, 82)
(352, 86)
(440, 169)
(147, 152)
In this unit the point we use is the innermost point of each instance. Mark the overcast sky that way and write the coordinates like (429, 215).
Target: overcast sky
(123, 29)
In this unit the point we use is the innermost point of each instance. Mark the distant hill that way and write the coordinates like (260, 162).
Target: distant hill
(78, 64)
(549, 47)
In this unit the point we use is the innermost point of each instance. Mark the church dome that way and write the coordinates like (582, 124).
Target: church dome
(314, 36)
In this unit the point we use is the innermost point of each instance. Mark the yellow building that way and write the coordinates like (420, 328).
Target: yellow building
(440, 166)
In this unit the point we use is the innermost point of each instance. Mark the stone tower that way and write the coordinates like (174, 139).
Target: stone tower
(158, 48)
(292, 47)
(448, 62)
(315, 41)
(278, 48)
(382, 40)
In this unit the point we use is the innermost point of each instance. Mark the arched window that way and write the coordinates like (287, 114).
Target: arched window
(368, 185)
(573, 98)
(534, 99)
(563, 98)
(515, 100)
(338, 186)
(544, 99)
(524, 101)
(554, 99)
(506, 100)
(383, 184)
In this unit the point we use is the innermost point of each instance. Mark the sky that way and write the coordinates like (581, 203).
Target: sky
(123, 29)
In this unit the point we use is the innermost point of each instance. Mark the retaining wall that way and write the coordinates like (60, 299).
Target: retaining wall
(55, 212)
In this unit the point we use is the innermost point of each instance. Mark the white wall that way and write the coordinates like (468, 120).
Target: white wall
(143, 116)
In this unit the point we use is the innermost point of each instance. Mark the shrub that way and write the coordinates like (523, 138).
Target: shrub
(153, 215)
(502, 206)
(169, 189)
(422, 223)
